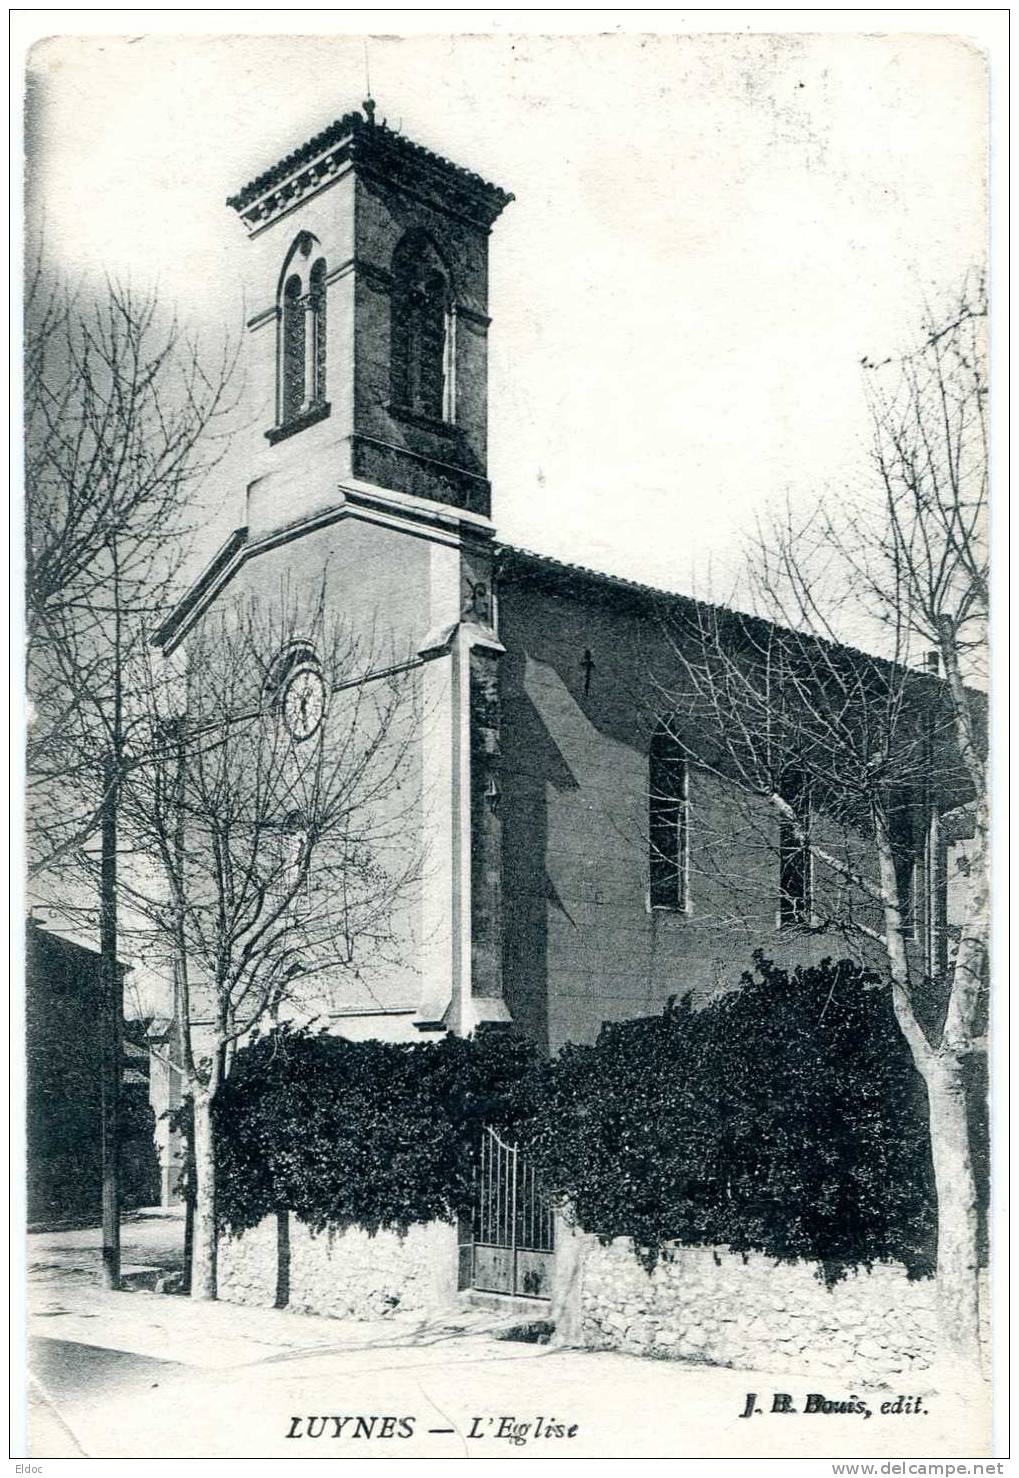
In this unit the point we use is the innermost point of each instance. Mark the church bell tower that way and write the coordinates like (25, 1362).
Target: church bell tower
(365, 465)
(371, 264)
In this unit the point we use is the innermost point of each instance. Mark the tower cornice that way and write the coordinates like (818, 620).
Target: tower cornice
(371, 149)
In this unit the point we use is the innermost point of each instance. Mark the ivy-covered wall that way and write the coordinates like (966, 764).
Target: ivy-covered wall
(782, 1123)
(373, 1135)
(784, 1118)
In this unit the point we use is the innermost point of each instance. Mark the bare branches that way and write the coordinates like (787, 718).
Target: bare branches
(929, 415)
(881, 747)
(118, 407)
(122, 419)
(882, 751)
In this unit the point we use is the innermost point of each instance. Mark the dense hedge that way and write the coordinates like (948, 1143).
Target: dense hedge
(374, 1134)
(785, 1117)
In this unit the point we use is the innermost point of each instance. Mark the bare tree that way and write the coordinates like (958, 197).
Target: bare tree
(273, 835)
(120, 407)
(852, 771)
(120, 411)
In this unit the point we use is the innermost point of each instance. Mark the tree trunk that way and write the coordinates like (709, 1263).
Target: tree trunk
(948, 1122)
(955, 1184)
(203, 1253)
(282, 1260)
(111, 1010)
(189, 1201)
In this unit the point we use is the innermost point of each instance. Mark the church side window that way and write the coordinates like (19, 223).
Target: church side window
(906, 854)
(668, 807)
(302, 334)
(934, 873)
(423, 381)
(794, 859)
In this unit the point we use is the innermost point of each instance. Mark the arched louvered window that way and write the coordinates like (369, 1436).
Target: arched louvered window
(423, 381)
(668, 815)
(302, 332)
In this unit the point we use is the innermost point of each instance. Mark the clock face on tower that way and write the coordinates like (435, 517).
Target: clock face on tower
(302, 702)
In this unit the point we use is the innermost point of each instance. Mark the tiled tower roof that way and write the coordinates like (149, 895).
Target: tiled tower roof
(357, 139)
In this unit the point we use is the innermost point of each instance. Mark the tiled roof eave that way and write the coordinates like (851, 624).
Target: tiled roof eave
(527, 561)
(513, 560)
(373, 143)
(263, 183)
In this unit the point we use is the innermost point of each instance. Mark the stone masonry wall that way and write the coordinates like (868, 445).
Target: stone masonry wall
(714, 1308)
(346, 1275)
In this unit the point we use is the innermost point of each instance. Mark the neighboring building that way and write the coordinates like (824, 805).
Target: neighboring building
(64, 1088)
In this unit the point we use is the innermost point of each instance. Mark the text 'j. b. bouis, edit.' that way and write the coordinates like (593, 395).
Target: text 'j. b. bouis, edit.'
(815, 1403)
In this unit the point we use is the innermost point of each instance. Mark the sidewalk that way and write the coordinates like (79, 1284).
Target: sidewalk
(222, 1336)
(67, 1301)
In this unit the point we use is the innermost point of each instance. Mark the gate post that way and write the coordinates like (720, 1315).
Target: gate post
(566, 1312)
(514, 1288)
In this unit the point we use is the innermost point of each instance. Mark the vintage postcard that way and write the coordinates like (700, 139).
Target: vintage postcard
(507, 825)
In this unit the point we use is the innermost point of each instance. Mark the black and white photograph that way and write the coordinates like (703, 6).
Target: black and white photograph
(503, 710)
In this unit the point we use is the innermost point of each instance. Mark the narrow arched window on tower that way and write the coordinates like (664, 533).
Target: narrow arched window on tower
(301, 313)
(293, 351)
(668, 821)
(423, 380)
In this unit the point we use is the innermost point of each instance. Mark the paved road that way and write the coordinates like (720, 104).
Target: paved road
(142, 1374)
(450, 1401)
(83, 1372)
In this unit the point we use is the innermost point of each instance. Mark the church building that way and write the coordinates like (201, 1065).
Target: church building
(579, 868)
(582, 861)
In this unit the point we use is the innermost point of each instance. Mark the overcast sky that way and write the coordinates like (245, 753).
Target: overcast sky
(708, 234)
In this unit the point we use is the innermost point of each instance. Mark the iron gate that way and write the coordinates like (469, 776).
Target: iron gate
(512, 1239)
